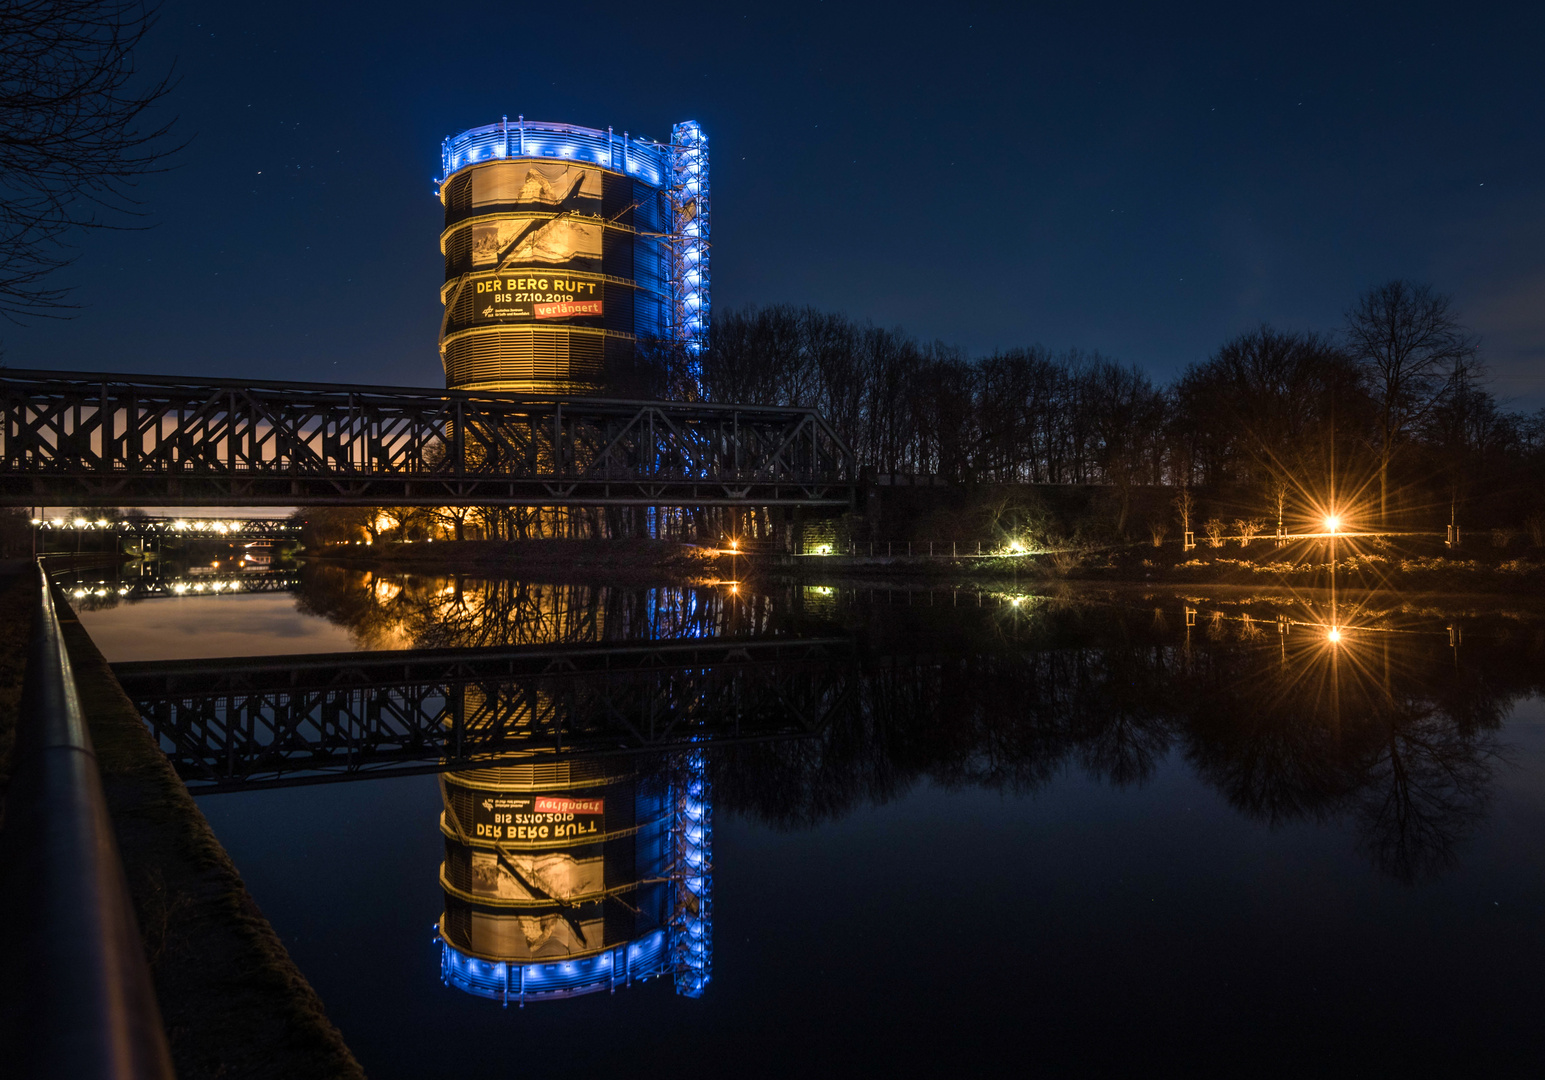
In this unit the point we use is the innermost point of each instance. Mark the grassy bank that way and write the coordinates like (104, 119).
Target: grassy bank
(1412, 565)
(1416, 568)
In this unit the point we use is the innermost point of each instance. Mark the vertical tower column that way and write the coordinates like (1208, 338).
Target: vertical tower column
(691, 920)
(688, 190)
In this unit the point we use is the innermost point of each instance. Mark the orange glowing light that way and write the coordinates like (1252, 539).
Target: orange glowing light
(1334, 635)
(1332, 523)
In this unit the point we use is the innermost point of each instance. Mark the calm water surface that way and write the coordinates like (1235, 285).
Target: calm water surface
(1052, 835)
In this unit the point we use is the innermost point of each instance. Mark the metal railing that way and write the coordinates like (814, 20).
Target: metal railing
(79, 1001)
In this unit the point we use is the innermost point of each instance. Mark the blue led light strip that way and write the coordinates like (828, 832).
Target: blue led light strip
(691, 920)
(641, 158)
(511, 981)
(688, 190)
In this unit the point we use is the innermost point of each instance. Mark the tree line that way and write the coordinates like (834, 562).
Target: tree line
(1388, 413)
(1391, 408)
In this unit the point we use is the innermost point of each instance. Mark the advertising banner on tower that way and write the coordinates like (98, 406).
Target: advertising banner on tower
(559, 241)
(539, 875)
(536, 819)
(532, 295)
(540, 185)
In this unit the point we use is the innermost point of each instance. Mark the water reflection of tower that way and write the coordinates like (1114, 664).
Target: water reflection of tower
(565, 875)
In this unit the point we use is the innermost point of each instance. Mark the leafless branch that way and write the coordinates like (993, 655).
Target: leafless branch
(75, 136)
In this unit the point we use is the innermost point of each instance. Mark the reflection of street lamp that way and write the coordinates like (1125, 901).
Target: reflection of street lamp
(1332, 523)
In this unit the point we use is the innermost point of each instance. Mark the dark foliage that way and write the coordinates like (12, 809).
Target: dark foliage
(1391, 412)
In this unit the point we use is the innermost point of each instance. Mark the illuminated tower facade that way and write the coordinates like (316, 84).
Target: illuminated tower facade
(569, 875)
(567, 248)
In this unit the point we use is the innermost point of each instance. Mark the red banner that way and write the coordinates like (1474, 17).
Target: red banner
(565, 308)
(570, 806)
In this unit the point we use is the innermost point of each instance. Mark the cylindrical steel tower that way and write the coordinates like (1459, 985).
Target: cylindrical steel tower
(566, 248)
(555, 879)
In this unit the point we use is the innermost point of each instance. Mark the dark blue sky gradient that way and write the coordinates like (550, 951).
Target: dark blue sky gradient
(1144, 180)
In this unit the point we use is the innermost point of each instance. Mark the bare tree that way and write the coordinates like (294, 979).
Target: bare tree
(1280, 489)
(75, 136)
(1124, 413)
(1411, 343)
(1185, 506)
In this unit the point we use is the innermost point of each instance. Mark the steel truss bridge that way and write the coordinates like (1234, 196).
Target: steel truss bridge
(233, 529)
(85, 587)
(240, 723)
(79, 439)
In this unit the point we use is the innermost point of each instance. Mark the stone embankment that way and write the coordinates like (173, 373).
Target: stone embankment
(233, 1002)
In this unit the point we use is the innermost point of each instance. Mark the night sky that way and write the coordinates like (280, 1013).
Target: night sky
(1142, 180)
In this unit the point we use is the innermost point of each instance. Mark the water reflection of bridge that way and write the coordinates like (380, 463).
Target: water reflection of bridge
(275, 721)
(94, 587)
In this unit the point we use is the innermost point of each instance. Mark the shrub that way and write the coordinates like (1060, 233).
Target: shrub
(1535, 524)
(1064, 560)
(1214, 531)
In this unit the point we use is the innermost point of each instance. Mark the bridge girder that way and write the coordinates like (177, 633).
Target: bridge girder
(113, 440)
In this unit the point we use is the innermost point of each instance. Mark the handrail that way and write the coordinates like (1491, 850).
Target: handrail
(79, 1001)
